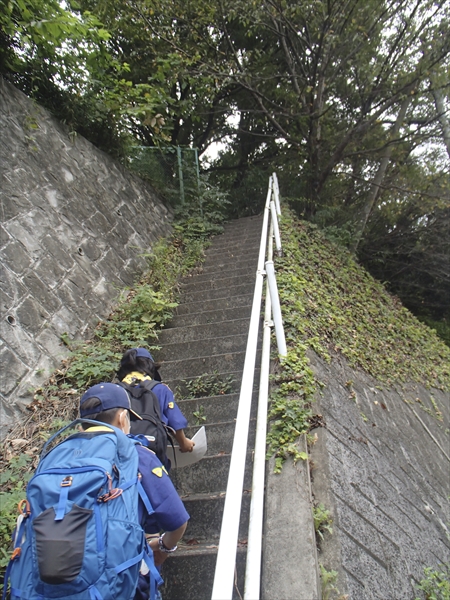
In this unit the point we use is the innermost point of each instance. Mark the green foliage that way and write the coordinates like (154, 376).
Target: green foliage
(135, 322)
(328, 581)
(199, 415)
(322, 520)
(204, 212)
(332, 305)
(138, 317)
(208, 384)
(13, 480)
(436, 583)
(442, 328)
(290, 406)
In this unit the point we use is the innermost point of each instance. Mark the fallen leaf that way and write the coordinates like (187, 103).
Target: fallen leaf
(19, 443)
(192, 542)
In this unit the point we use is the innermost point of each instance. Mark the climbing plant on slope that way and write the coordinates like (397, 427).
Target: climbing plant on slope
(331, 306)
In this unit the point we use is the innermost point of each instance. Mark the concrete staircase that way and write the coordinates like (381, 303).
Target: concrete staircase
(208, 336)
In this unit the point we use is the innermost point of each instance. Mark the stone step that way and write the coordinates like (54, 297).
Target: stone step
(231, 256)
(221, 282)
(244, 223)
(189, 572)
(238, 233)
(247, 264)
(194, 367)
(220, 436)
(208, 336)
(236, 239)
(208, 347)
(231, 379)
(214, 304)
(209, 317)
(212, 409)
(208, 476)
(206, 511)
(186, 332)
(221, 294)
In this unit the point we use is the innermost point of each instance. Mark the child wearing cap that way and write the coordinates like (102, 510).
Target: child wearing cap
(109, 404)
(137, 364)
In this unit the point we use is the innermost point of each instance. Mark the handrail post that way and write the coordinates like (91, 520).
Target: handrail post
(276, 193)
(276, 230)
(276, 309)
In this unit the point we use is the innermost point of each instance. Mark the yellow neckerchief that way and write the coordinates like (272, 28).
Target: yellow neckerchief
(98, 428)
(135, 376)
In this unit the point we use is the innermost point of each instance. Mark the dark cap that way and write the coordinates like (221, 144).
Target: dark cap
(142, 352)
(110, 395)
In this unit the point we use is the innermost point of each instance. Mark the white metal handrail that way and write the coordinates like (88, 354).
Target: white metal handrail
(226, 555)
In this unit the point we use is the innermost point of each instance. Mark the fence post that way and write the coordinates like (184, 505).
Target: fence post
(180, 174)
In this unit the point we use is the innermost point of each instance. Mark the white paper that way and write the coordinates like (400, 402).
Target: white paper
(188, 458)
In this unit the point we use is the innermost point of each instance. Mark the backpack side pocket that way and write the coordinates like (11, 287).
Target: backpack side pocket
(60, 544)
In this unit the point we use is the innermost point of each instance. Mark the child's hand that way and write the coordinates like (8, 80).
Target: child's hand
(187, 445)
(158, 556)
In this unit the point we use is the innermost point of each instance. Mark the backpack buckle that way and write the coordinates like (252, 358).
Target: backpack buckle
(17, 552)
(67, 481)
(110, 495)
(24, 508)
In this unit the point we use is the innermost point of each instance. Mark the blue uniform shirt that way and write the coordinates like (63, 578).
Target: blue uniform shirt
(169, 509)
(170, 412)
(170, 512)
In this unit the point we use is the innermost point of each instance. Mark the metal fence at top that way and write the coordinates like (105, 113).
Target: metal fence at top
(174, 171)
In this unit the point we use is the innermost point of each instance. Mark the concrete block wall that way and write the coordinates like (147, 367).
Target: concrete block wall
(73, 227)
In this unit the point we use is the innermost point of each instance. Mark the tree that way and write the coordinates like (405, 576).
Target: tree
(346, 99)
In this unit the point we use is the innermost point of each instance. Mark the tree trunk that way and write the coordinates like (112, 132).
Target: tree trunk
(378, 179)
(439, 102)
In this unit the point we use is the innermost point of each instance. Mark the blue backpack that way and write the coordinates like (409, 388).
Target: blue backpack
(78, 536)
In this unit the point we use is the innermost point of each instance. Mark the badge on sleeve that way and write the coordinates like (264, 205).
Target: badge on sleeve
(158, 471)
(170, 405)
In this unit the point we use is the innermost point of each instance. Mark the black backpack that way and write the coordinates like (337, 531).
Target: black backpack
(145, 403)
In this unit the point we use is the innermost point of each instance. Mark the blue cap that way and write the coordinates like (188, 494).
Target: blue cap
(143, 353)
(110, 395)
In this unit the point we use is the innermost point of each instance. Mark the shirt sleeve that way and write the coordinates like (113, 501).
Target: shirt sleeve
(170, 412)
(170, 512)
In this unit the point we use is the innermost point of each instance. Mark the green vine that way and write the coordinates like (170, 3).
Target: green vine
(208, 384)
(290, 407)
(436, 583)
(322, 520)
(332, 306)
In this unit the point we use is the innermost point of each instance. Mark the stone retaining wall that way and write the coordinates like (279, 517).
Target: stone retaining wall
(381, 465)
(74, 225)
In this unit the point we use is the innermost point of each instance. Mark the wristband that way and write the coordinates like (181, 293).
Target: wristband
(163, 548)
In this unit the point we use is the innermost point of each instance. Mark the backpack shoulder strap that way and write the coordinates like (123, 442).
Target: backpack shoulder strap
(149, 384)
